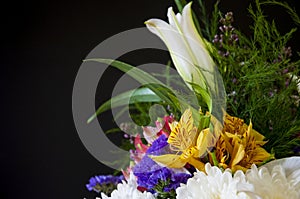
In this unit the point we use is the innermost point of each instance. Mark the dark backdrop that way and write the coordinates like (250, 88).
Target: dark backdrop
(43, 44)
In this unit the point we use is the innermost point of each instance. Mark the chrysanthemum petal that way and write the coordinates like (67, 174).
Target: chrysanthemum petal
(277, 179)
(127, 190)
(215, 184)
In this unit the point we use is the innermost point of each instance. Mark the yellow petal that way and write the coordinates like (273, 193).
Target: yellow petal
(169, 160)
(239, 167)
(203, 142)
(173, 125)
(184, 133)
(237, 154)
(258, 137)
(197, 164)
(260, 155)
(229, 147)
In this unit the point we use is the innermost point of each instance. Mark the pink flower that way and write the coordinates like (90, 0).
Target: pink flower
(126, 173)
(152, 133)
(166, 130)
(140, 149)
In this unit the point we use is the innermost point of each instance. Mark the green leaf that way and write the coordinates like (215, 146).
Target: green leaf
(180, 4)
(204, 95)
(129, 97)
(162, 91)
(147, 80)
(292, 12)
(204, 122)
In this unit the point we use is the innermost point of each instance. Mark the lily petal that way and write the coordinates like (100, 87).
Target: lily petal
(188, 50)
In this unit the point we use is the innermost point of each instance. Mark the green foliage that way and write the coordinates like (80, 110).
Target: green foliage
(180, 4)
(146, 79)
(258, 72)
(130, 97)
(205, 23)
(209, 21)
(105, 188)
(168, 96)
(292, 12)
(161, 194)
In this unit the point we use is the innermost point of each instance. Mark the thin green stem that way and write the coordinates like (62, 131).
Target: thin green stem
(180, 4)
(214, 158)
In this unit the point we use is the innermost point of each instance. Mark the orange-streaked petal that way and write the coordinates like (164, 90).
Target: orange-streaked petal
(184, 133)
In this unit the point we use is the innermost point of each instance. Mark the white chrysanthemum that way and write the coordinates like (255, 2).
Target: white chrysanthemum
(128, 190)
(214, 185)
(277, 179)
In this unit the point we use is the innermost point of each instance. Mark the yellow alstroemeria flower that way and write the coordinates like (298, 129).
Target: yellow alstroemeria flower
(239, 146)
(188, 144)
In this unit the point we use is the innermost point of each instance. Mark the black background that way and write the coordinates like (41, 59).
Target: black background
(42, 46)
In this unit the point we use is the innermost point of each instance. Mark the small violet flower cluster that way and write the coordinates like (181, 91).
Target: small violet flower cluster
(227, 35)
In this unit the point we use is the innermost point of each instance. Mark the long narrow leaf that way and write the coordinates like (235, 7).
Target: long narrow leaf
(147, 80)
(141, 76)
(129, 97)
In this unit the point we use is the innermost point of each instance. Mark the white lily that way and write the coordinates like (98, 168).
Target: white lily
(188, 50)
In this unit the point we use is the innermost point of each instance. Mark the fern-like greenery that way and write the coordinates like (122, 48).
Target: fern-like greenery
(258, 75)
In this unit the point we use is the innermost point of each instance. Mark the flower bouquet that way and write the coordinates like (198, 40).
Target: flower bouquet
(225, 124)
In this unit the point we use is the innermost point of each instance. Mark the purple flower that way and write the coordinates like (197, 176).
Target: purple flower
(176, 179)
(149, 173)
(285, 71)
(151, 179)
(164, 175)
(144, 166)
(287, 83)
(234, 80)
(103, 180)
(157, 146)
